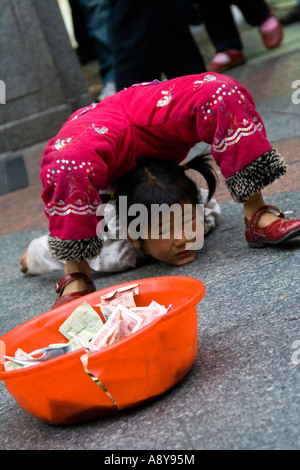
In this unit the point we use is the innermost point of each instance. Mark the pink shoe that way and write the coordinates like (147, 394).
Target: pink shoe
(226, 60)
(271, 32)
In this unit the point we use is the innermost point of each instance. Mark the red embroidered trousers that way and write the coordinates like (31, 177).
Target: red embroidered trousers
(103, 141)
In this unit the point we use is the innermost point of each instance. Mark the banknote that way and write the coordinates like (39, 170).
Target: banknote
(123, 295)
(82, 343)
(23, 359)
(84, 320)
(11, 365)
(128, 323)
(79, 340)
(122, 322)
(84, 328)
(150, 313)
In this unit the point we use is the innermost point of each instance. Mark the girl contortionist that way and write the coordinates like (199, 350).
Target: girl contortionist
(102, 144)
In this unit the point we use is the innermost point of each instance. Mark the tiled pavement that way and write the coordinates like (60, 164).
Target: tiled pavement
(243, 390)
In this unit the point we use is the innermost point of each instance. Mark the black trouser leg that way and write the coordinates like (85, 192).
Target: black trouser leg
(254, 11)
(151, 37)
(220, 24)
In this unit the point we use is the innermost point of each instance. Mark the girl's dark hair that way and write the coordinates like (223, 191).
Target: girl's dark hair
(157, 181)
(202, 164)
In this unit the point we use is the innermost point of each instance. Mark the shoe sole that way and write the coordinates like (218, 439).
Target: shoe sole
(291, 235)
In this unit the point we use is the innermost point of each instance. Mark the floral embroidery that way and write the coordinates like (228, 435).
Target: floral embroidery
(101, 131)
(68, 165)
(81, 201)
(167, 98)
(207, 78)
(230, 128)
(61, 143)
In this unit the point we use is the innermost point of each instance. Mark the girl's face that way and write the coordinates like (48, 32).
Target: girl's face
(171, 236)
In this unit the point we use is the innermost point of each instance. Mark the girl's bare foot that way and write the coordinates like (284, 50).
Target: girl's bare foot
(265, 219)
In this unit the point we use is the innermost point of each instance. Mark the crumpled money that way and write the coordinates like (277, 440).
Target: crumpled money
(150, 313)
(123, 295)
(123, 318)
(84, 321)
(85, 327)
(23, 359)
(121, 323)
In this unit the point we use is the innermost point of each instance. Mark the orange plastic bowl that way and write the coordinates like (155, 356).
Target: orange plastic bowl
(133, 370)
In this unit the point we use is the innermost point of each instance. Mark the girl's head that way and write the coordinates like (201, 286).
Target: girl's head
(161, 205)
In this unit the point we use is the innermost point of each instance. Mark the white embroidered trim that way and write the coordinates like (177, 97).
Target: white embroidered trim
(166, 99)
(101, 131)
(70, 208)
(240, 132)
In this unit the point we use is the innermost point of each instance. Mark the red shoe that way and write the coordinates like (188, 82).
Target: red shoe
(278, 231)
(271, 32)
(226, 60)
(59, 288)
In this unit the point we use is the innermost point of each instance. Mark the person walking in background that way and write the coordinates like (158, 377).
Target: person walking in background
(150, 38)
(95, 17)
(223, 32)
(85, 46)
(292, 16)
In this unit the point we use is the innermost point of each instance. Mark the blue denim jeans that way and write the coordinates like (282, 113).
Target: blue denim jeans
(96, 13)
